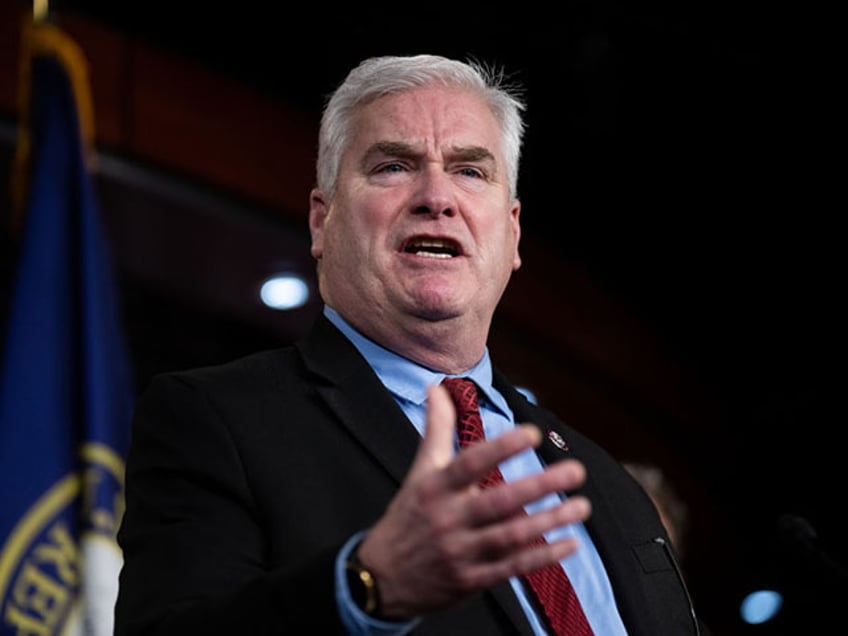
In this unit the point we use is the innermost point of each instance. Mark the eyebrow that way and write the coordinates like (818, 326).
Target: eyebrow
(473, 153)
(391, 149)
(407, 151)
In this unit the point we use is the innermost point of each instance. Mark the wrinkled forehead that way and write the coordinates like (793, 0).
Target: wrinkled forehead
(431, 119)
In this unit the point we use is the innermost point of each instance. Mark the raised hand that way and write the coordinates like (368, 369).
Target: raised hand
(443, 538)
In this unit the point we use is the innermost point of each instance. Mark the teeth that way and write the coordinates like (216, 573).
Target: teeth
(434, 254)
(431, 243)
(432, 247)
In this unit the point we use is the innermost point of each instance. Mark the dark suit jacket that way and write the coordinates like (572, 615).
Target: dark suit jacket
(243, 481)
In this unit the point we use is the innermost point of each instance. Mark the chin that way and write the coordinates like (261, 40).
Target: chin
(433, 315)
(435, 312)
(436, 303)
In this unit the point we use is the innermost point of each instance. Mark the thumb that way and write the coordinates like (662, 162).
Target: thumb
(437, 445)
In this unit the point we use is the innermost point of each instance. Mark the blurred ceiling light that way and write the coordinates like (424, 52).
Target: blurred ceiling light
(284, 291)
(761, 606)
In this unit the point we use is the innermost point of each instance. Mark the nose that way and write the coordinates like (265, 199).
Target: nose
(434, 194)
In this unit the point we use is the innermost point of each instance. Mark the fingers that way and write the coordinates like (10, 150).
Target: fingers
(458, 472)
(478, 460)
(524, 561)
(516, 547)
(505, 500)
(436, 447)
(500, 539)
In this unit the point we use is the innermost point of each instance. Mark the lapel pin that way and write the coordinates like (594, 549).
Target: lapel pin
(557, 439)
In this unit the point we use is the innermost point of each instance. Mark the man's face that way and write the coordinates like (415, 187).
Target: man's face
(421, 224)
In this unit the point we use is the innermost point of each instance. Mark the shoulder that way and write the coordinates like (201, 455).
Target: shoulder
(262, 370)
(242, 392)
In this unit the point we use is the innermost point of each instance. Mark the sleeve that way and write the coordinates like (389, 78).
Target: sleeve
(355, 620)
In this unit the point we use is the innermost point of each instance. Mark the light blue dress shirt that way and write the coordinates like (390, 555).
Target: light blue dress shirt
(408, 383)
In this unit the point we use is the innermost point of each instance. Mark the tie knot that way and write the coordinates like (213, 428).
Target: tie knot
(463, 392)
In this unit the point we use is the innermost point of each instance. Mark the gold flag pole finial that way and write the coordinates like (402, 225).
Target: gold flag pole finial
(39, 10)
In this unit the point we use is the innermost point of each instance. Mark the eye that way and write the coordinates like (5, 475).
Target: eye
(390, 171)
(394, 166)
(471, 171)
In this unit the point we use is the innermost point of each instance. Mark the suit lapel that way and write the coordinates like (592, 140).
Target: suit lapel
(555, 444)
(358, 399)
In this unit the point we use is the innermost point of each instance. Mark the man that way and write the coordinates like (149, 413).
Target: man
(320, 488)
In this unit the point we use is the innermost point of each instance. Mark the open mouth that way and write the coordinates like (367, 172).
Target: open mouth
(431, 247)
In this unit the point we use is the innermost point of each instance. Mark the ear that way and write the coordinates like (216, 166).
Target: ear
(318, 210)
(514, 214)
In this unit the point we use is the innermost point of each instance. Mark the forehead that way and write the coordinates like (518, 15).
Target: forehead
(432, 118)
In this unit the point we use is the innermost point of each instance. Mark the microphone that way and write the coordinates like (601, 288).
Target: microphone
(679, 572)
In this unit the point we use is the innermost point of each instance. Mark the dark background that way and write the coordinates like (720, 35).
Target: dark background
(683, 158)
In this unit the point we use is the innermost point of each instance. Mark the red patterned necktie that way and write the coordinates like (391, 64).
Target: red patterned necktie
(550, 586)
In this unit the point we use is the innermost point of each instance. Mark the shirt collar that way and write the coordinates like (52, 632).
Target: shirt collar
(409, 380)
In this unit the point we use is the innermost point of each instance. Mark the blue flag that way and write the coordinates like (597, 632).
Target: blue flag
(66, 390)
